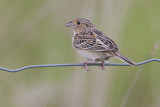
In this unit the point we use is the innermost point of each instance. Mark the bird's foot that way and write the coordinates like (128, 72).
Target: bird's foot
(102, 66)
(85, 66)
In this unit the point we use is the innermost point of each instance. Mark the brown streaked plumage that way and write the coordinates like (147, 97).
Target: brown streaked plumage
(92, 44)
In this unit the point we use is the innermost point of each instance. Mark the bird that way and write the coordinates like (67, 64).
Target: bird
(92, 44)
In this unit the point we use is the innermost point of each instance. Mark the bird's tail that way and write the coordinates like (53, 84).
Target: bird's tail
(124, 59)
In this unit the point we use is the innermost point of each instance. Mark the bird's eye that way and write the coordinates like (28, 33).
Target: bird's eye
(78, 23)
(87, 25)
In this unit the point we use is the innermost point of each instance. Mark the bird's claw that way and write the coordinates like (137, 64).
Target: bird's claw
(102, 66)
(85, 66)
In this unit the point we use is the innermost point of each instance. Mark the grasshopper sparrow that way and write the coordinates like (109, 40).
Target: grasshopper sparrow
(92, 44)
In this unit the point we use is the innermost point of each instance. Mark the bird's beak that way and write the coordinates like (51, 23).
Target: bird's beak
(69, 24)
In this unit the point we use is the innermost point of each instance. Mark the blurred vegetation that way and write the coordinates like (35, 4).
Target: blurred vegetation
(32, 32)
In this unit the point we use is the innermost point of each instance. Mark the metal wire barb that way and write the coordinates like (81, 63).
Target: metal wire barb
(79, 64)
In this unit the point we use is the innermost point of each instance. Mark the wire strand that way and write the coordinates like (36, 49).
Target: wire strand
(78, 64)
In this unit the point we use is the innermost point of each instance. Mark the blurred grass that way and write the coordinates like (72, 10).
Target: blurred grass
(33, 32)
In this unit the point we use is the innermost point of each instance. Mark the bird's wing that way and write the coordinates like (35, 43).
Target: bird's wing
(95, 41)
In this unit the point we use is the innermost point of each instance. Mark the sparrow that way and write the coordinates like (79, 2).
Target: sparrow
(92, 44)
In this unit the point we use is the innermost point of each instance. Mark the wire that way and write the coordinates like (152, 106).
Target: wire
(79, 64)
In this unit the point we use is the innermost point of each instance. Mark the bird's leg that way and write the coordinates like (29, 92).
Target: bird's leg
(102, 66)
(85, 64)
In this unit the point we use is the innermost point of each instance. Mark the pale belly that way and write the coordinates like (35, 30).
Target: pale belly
(93, 55)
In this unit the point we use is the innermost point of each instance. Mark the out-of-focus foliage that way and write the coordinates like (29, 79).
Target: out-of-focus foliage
(32, 32)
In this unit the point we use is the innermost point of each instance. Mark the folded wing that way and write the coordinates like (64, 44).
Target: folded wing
(95, 41)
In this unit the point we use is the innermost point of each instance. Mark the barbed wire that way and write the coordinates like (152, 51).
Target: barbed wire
(78, 64)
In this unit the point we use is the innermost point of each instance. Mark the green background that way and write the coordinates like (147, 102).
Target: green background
(32, 32)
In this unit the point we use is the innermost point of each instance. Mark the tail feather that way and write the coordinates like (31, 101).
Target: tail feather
(124, 59)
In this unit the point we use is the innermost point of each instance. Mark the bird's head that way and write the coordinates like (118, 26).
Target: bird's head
(79, 24)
